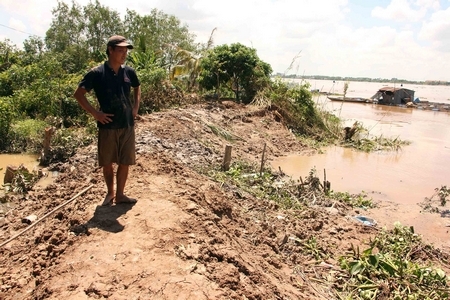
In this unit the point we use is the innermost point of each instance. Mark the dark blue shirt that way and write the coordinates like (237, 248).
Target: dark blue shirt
(113, 93)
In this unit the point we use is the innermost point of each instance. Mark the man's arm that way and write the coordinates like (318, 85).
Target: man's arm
(80, 95)
(137, 100)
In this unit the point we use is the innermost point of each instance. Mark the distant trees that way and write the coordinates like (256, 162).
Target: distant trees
(367, 79)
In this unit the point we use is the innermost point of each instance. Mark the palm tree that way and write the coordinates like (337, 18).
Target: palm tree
(188, 63)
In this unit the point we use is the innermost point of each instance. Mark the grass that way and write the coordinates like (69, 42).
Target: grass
(221, 132)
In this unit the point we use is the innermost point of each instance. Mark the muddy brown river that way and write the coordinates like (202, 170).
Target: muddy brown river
(405, 176)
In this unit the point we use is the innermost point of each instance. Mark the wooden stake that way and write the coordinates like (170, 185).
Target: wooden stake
(262, 160)
(227, 158)
(46, 149)
(326, 183)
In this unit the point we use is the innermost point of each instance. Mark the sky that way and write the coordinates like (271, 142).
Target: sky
(404, 39)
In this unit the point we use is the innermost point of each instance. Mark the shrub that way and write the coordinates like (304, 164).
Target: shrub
(26, 136)
(6, 116)
(295, 104)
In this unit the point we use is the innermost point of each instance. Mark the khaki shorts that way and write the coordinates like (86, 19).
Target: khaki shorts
(116, 146)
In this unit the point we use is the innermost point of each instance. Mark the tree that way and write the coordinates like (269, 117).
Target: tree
(66, 35)
(9, 54)
(67, 27)
(34, 48)
(188, 63)
(101, 23)
(158, 33)
(236, 66)
(81, 32)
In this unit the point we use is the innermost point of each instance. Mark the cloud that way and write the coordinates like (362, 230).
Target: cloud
(333, 37)
(17, 24)
(403, 11)
(437, 30)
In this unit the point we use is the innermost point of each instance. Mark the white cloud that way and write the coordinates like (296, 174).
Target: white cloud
(331, 40)
(437, 30)
(17, 24)
(402, 11)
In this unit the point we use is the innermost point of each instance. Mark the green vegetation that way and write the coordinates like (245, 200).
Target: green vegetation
(238, 67)
(393, 267)
(396, 264)
(355, 200)
(359, 138)
(297, 110)
(26, 135)
(286, 192)
(23, 181)
(437, 206)
(37, 83)
(443, 192)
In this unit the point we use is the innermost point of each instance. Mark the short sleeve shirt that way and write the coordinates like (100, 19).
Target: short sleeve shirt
(113, 93)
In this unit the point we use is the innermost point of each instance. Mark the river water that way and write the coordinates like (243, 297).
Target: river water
(403, 177)
(30, 161)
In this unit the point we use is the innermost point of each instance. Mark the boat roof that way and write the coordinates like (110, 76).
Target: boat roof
(392, 89)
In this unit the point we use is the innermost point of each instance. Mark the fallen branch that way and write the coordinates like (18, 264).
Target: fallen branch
(46, 216)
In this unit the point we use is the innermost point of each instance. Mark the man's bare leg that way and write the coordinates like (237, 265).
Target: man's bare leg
(122, 175)
(108, 175)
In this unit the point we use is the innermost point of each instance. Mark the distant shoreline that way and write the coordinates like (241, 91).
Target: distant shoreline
(366, 79)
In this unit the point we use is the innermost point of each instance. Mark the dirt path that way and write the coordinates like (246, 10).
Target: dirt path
(131, 249)
(187, 237)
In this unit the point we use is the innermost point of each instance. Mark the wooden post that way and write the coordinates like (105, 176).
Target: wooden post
(262, 160)
(227, 158)
(46, 149)
(326, 184)
(10, 173)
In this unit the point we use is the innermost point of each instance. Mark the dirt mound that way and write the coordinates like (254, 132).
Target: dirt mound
(187, 237)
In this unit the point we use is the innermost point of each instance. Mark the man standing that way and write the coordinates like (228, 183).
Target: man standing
(112, 83)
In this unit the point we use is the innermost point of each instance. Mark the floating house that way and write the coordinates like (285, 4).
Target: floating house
(393, 96)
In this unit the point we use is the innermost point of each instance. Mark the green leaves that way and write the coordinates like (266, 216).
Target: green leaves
(236, 67)
(389, 267)
(356, 200)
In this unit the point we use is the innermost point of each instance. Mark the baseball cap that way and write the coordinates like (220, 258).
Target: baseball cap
(118, 40)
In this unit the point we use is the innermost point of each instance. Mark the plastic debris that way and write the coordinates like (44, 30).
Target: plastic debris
(366, 220)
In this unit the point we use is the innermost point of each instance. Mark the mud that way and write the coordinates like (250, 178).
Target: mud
(187, 237)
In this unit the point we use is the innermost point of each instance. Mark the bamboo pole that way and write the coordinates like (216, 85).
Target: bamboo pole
(46, 215)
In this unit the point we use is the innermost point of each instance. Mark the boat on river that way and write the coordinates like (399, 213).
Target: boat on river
(393, 96)
(350, 99)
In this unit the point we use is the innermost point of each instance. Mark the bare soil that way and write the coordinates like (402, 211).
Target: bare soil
(187, 237)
